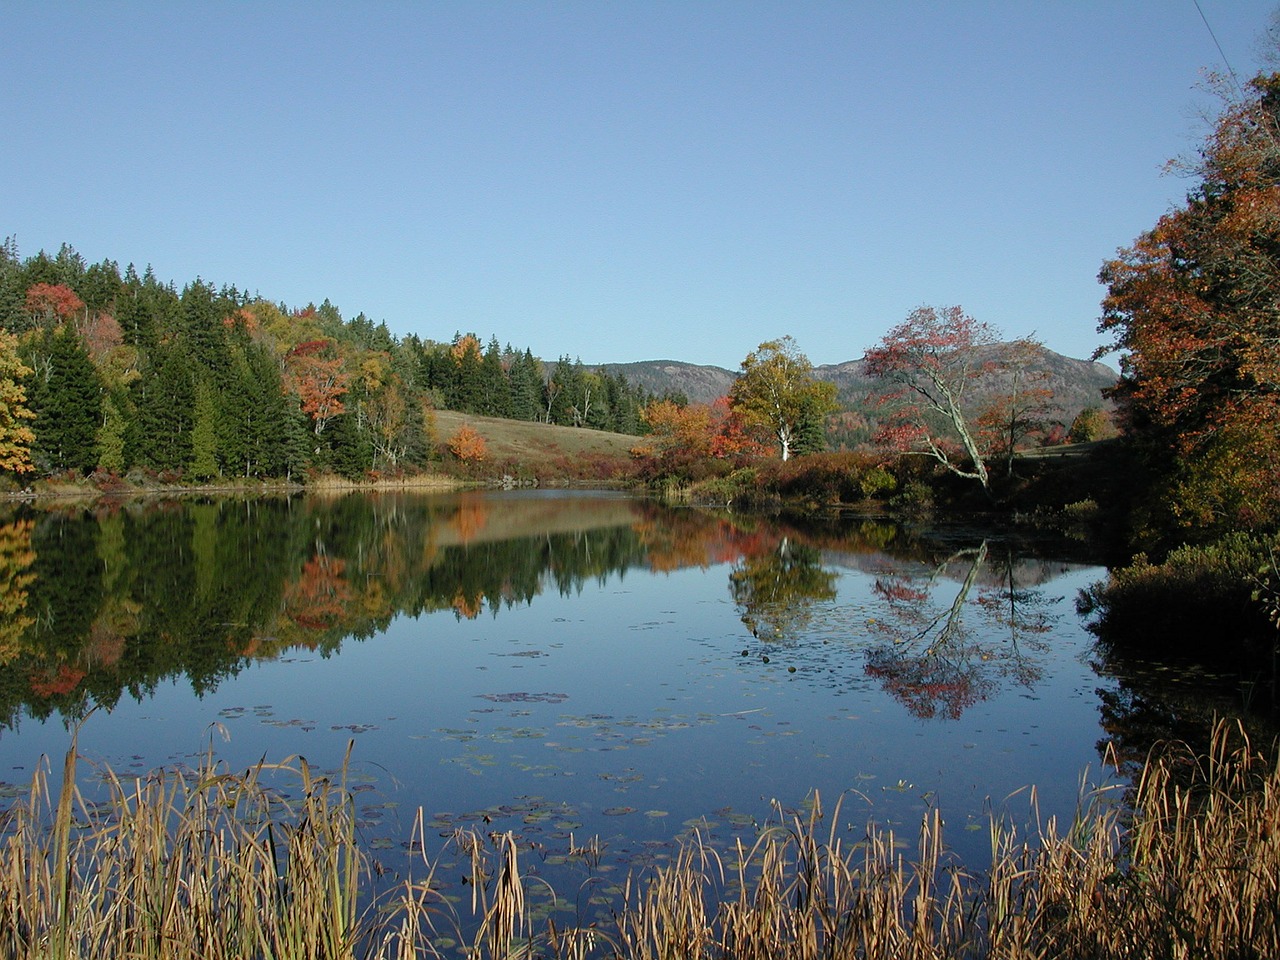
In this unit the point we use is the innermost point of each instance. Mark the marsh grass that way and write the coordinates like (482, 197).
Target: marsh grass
(266, 864)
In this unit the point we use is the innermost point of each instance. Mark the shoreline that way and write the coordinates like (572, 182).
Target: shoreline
(88, 492)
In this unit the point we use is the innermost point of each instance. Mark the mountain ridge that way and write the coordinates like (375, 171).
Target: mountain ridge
(1076, 384)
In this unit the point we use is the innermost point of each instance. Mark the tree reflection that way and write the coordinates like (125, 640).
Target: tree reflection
(776, 591)
(112, 601)
(933, 662)
(106, 602)
(16, 558)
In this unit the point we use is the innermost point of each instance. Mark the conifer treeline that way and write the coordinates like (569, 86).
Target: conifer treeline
(131, 372)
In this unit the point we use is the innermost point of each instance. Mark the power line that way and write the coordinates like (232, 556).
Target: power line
(1222, 53)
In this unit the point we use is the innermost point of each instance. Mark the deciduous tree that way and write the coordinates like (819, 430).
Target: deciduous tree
(314, 372)
(52, 303)
(777, 389)
(1023, 405)
(934, 359)
(467, 445)
(1194, 307)
(676, 431)
(16, 435)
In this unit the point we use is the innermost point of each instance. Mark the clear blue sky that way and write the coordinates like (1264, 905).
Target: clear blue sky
(616, 180)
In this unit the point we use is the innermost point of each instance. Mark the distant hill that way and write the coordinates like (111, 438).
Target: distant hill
(701, 384)
(1076, 383)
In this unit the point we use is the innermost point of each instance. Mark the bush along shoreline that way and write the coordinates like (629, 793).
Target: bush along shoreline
(268, 862)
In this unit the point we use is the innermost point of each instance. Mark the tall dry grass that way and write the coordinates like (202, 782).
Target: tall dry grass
(208, 864)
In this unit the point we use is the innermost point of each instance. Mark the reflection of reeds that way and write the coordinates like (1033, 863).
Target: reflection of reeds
(211, 865)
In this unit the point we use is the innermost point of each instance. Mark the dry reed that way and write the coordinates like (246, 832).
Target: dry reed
(212, 865)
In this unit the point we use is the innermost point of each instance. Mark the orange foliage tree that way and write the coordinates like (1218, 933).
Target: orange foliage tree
(467, 445)
(682, 433)
(676, 429)
(314, 372)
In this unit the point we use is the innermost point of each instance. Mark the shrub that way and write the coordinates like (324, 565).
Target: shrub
(876, 482)
(914, 499)
(1198, 600)
(467, 445)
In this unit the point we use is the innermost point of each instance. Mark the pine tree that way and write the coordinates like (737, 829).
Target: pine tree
(350, 452)
(12, 317)
(526, 387)
(495, 386)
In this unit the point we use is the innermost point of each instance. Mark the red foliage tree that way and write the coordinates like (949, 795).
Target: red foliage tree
(731, 435)
(934, 359)
(1194, 307)
(52, 302)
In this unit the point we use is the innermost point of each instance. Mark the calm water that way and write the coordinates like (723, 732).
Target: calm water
(585, 663)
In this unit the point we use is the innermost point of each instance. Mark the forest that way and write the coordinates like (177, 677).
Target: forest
(107, 371)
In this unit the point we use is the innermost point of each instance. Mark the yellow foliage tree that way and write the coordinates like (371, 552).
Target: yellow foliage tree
(15, 436)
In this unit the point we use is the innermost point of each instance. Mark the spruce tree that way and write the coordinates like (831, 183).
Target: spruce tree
(204, 433)
(496, 388)
(67, 400)
(526, 387)
(166, 411)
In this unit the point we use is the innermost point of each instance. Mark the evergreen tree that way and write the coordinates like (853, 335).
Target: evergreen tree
(625, 403)
(166, 411)
(39, 269)
(202, 326)
(350, 452)
(495, 386)
(811, 433)
(67, 400)
(204, 433)
(99, 286)
(526, 387)
(12, 317)
(255, 413)
(468, 393)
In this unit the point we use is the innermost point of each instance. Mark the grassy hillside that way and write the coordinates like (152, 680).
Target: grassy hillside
(534, 445)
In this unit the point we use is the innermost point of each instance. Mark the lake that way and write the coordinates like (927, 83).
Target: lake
(577, 664)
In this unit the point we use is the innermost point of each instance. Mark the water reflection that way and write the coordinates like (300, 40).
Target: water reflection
(567, 665)
(776, 590)
(931, 657)
(106, 602)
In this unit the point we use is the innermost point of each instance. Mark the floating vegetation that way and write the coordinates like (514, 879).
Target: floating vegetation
(521, 697)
